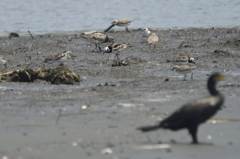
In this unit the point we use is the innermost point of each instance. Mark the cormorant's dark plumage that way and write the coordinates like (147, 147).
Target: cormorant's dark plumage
(192, 114)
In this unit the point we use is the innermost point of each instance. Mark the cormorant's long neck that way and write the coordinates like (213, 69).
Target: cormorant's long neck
(212, 88)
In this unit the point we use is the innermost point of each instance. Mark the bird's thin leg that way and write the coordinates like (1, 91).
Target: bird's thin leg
(127, 29)
(192, 76)
(87, 46)
(150, 46)
(96, 46)
(185, 75)
(193, 133)
(153, 47)
(100, 49)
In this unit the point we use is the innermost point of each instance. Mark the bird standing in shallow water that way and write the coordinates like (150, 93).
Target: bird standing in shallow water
(194, 113)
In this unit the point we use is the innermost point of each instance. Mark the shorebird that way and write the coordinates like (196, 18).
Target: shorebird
(121, 23)
(152, 39)
(145, 33)
(59, 57)
(194, 113)
(3, 61)
(13, 35)
(184, 69)
(180, 60)
(97, 38)
(114, 47)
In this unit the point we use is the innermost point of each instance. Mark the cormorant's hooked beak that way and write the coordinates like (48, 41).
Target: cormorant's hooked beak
(220, 77)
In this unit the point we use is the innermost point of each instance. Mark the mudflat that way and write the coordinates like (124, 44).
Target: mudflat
(98, 117)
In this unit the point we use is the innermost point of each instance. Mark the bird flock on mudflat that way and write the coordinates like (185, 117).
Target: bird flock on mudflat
(191, 114)
(182, 64)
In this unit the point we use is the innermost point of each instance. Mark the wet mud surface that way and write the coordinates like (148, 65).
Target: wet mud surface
(42, 120)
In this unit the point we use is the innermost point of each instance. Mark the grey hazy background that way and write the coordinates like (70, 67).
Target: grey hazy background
(76, 15)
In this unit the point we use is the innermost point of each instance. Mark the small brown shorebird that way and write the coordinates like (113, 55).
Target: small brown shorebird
(184, 69)
(121, 23)
(180, 60)
(114, 47)
(97, 39)
(59, 57)
(152, 40)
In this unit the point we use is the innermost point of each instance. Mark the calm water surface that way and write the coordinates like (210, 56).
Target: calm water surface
(75, 15)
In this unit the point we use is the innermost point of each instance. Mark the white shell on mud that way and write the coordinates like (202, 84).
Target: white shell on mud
(106, 151)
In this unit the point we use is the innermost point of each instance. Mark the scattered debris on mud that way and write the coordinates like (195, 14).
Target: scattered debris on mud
(126, 61)
(59, 75)
(222, 52)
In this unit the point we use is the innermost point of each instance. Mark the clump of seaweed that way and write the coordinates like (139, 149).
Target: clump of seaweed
(59, 75)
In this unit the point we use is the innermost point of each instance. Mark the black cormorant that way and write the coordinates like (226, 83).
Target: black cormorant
(192, 114)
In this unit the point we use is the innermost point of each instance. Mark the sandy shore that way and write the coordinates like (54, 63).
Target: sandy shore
(39, 120)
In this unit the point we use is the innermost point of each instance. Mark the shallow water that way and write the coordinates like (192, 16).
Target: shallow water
(73, 15)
